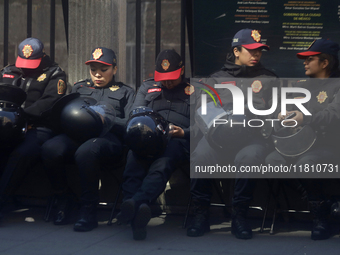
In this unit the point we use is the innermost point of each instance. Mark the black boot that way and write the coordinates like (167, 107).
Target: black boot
(320, 212)
(127, 211)
(200, 223)
(2, 204)
(335, 209)
(87, 218)
(140, 221)
(239, 226)
(65, 204)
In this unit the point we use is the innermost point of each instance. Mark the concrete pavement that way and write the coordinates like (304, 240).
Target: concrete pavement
(24, 232)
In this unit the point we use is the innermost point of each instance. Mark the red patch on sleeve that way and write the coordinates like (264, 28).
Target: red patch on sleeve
(154, 90)
(8, 76)
(229, 82)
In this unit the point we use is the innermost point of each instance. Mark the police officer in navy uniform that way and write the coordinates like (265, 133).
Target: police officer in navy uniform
(145, 179)
(242, 62)
(322, 66)
(44, 83)
(95, 153)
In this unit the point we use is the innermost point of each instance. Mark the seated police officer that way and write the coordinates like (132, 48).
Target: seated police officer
(44, 83)
(241, 146)
(321, 63)
(144, 179)
(91, 152)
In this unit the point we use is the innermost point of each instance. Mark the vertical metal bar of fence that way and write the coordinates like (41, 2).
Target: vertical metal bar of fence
(29, 18)
(6, 24)
(183, 15)
(158, 27)
(52, 30)
(138, 42)
(189, 11)
(64, 4)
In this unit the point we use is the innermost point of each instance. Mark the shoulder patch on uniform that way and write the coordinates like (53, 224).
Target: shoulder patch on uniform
(189, 89)
(256, 86)
(61, 87)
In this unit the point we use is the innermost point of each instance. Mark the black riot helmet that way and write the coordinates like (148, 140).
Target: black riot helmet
(83, 118)
(147, 132)
(13, 125)
(223, 130)
(293, 141)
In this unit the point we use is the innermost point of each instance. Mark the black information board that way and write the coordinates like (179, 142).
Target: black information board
(286, 26)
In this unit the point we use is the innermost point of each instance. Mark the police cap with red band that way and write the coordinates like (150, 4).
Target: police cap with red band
(30, 53)
(320, 46)
(168, 66)
(249, 39)
(102, 55)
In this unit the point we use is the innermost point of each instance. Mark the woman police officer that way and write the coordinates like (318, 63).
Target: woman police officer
(321, 63)
(242, 62)
(92, 154)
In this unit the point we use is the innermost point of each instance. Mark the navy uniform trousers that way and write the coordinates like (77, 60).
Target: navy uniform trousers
(15, 163)
(252, 154)
(145, 179)
(316, 155)
(90, 157)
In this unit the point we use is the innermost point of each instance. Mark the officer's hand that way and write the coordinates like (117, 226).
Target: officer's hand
(177, 131)
(290, 122)
(298, 118)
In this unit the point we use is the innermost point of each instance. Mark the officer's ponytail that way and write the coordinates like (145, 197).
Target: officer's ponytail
(333, 64)
(231, 56)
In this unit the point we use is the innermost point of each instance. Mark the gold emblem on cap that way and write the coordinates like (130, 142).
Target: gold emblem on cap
(61, 87)
(256, 86)
(27, 50)
(256, 35)
(42, 77)
(165, 64)
(97, 54)
(189, 90)
(114, 87)
(322, 97)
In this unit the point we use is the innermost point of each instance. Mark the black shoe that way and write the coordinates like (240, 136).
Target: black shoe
(61, 218)
(335, 209)
(141, 220)
(320, 211)
(320, 230)
(199, 226)
(239, 225)
(87, 219)
(65, 206)
(127, 211)
(241, 229)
